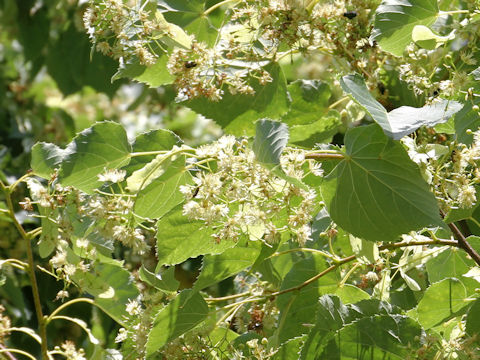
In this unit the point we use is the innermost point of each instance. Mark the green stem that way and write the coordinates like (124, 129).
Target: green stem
(323, 253)
(146, 153)
(230, 297)
(17, 351)
(417, 243)
(217, 5)
(314, 278)
(324, 156)
(67, 304)
(453, 12)
(338, 102)
(30, 269)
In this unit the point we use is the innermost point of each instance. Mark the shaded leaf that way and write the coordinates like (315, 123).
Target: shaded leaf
(380, 193)
(467, 119)
(297, 307)
(309, 102)
(271, 137)
(236, 114)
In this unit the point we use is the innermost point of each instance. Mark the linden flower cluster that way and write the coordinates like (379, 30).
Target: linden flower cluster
(122, 29)
(433, 72)
(69, 351)
(5, 325)
(136, 335)
(233, 194)
(451, 171)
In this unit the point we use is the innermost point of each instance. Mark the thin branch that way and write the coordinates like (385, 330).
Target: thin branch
(230, 297)
(314, 278)
(325, 156)
(217, 5)
(462, 242)
(417, 243)
(30, 269)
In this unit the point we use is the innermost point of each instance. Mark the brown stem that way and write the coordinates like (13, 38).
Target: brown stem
(463, 243)
(30, 270)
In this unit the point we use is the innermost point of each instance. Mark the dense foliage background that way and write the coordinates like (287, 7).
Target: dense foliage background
(275, 179)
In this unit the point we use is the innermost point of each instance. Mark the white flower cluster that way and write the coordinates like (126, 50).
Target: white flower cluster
(451, 170)
(235, 195)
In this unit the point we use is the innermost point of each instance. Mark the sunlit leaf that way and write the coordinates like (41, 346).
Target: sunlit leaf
(96, 149)
(183, 313)
(395, 20)
(403, 120)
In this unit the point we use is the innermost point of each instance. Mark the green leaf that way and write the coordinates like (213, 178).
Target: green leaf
(427, 39)
(69, 64)
(112, 286)
(154, 76)
(331, 317)
(380, 193)
(318, 132)
(366, 251)
(49, 236)
(297, 307)
(271, 137)
(179, 238)
(46, 158)
(476, 73)
(467, 119)
(350, 294)
(154, 140)
(472, 323)
(395, 20)
(183, 313)
(403, 120)
(309, 102)
(162, 194)
(96, 149)
(236, 114)
(164, 281)
(290, 350)
(377, 338)
(219, 267)
(451, 262)
(441, 301)
(189, 15)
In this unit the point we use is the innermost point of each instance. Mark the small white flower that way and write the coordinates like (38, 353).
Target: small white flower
(112, 175)
(122, 335)
(133, 307)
